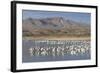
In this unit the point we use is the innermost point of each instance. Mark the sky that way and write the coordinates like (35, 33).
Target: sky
(76, 16)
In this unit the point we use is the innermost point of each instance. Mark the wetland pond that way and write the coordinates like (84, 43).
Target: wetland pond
(55, 50)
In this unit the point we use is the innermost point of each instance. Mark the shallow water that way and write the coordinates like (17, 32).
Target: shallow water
(37, 50)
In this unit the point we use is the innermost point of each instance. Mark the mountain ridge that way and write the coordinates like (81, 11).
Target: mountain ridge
(54, 26)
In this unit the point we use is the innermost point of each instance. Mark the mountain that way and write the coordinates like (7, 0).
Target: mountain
(54, 26)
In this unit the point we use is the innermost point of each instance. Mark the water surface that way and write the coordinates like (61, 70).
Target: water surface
(55, 50)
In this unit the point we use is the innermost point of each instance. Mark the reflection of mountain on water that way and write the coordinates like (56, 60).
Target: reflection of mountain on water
(35, 51)
(54, 25)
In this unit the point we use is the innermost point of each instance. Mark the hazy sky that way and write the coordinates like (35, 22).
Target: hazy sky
(76, 16)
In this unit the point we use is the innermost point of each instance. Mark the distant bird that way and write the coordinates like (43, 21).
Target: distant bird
(31, 51)
(73, 52)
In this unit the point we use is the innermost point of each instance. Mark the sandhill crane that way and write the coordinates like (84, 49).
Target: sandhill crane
(31, 51)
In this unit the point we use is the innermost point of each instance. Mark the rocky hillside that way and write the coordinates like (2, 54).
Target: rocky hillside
(54, 26)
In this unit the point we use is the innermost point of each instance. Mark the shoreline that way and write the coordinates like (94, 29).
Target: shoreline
(56, 38)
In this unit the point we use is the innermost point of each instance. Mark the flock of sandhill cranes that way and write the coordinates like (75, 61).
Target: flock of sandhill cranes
(72, 48)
